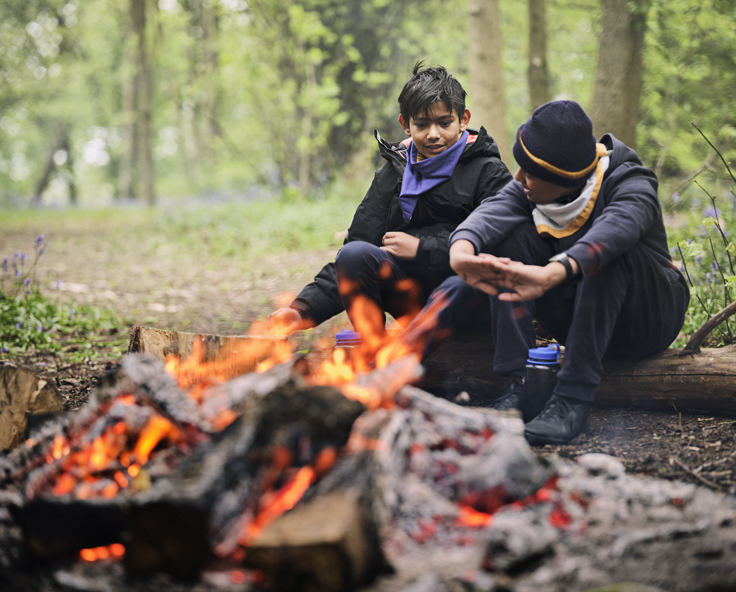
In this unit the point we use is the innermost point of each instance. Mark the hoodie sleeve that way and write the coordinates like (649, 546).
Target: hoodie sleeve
(631, 208)
(495, 218)
(320, 300)
(434, 243)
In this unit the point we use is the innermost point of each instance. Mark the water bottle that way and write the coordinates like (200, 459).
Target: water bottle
(540, 377)
(346, 339)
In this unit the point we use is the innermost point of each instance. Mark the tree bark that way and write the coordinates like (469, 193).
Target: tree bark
(486, 71)
(145, 108)
(538, 74)
(130, 85)
(618, 78)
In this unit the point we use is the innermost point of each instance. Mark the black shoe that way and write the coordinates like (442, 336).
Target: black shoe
(511, 398)
(559, 422)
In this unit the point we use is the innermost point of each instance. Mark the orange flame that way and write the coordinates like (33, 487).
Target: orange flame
(282, 500)
(97, 468)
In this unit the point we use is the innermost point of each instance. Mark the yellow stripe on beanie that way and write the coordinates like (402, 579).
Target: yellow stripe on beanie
(562, 173)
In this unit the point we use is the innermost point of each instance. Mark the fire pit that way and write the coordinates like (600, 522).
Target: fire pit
(333, 476)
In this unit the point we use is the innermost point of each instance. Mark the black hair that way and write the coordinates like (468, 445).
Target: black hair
(428, 86)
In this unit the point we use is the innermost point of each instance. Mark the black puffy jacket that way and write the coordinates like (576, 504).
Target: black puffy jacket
(479, 174)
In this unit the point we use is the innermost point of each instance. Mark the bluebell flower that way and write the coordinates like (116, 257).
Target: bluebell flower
(5, 265)
(27, 281)
(18, 325)
(23, 258)
(17, 272)
(39, 328)
(673, 250)
(16, 256)
(676, 198)
(5, 350)
(714, 265)
(71, 314)
(39, 239)
(699, 259)
(28, 292)
(711, 212)
(689, 241)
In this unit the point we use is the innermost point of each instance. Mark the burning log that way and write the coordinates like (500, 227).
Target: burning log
(241, 353)
(21, 395)
(174, 525)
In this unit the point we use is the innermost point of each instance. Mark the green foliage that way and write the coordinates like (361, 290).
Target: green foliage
(30, 320)
(708, 258)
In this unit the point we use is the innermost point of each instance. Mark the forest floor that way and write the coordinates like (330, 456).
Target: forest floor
(110, 265)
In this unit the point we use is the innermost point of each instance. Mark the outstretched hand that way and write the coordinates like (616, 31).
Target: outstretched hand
(285, 321)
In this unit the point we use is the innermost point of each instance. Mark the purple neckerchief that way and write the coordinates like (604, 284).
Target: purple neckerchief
(420, 177)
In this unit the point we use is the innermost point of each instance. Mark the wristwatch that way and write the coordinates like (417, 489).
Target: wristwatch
(565, 260)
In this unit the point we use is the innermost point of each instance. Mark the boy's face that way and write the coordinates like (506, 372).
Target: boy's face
(435, 130)
(541, 192)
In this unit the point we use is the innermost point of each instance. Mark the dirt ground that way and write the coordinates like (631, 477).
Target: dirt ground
(157, 285)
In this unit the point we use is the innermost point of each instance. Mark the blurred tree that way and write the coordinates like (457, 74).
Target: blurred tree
(689, 76)
(486, 71)
(619, 74)
(538, 74)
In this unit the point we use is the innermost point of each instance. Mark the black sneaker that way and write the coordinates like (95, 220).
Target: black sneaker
(511, 398)
(560, 421)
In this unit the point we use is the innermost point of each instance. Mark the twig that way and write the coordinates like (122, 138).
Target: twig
(679, 422)
(695, 349)
(685, 468)
(718, 226)
(728, 168)
(693, 345)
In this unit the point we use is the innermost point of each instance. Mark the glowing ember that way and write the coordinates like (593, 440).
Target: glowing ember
(108, 463)
(114, 552)
(471, 517)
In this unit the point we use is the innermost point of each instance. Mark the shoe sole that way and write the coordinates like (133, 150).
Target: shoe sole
(534, 440)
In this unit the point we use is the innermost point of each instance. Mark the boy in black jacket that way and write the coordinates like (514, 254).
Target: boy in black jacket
(396, 250)
(579, 242)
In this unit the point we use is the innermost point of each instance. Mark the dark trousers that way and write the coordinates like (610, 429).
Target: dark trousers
(364, 271)
(630, 309)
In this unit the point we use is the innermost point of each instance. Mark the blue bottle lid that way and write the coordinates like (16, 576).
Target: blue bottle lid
(545, 355)
(346, 335)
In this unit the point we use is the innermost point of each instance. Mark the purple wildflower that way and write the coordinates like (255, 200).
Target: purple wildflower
(676, 198)
(711, 212)
(39, 328)
(5, 265)
(27, 281)
(18, 325)
(5, 350)
(39, 239)
(699, 259)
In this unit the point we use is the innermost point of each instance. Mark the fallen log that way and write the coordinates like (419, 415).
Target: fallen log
(703, 382)
(22, 395)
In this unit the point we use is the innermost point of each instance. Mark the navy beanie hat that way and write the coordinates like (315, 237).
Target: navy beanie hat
(557, 144)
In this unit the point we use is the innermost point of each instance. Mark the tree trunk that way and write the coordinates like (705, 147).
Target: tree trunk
(539, 92)
(618, 79)
(486, 71)
(130, 84)
(145, 108)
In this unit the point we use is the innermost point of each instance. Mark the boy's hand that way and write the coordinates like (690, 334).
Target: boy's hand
(488, 273)
(285, 321)
(401, 245)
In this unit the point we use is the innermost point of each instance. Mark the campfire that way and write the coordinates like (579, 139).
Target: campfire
(317, 471)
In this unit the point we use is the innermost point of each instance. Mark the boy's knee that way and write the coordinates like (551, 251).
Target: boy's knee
(353, 256)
